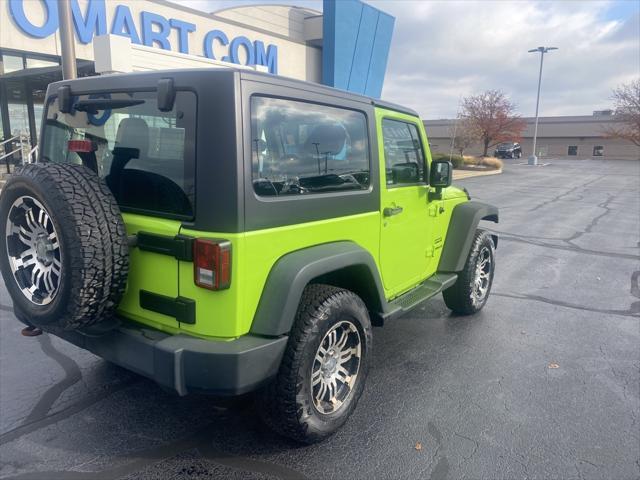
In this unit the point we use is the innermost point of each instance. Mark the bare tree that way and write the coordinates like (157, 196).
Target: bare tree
(463, 136)
(492, 115)
(626, 100)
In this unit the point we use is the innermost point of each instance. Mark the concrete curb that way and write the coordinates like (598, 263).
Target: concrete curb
(460, 174)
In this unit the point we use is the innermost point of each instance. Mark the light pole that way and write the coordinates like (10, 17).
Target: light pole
(533, 159)
(67, 44)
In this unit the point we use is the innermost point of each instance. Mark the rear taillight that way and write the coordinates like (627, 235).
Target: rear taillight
(81, 146)
(212, 263)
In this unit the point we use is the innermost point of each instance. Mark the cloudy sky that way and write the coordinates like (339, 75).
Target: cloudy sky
(444, 50)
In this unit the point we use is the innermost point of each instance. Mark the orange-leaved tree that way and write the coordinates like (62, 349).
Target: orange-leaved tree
(492, 115)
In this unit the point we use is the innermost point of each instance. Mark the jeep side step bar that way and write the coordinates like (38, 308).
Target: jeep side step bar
(411, 299)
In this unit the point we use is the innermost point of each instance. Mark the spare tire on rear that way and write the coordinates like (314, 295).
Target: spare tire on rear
(63, 246)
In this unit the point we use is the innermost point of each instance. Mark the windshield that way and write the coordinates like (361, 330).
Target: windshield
(506, 145)
(145, 155)
(301, 148)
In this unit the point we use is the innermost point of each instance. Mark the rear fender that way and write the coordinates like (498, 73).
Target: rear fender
(344, 264)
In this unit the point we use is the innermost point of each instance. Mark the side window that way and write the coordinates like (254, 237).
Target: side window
(300, 148)
(598, 151)
(572, 150)
(403, 155)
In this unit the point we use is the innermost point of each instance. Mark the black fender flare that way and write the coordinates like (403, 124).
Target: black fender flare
(294, 271)
(462, 227)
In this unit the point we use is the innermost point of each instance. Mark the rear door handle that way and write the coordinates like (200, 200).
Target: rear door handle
(389, 211)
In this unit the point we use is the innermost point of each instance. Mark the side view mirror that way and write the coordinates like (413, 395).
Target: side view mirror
(440, 177)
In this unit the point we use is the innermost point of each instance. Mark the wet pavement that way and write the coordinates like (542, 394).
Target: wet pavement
(543, 383)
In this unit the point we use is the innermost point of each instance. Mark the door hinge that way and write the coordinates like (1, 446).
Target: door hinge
(181, 308)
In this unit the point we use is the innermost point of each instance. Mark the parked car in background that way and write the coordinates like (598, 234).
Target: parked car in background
(508, 150)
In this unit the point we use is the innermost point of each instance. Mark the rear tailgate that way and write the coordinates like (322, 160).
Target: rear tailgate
(152, 276)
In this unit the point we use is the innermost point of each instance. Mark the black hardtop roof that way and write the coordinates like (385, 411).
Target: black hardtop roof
(316, 87)
(181, 76)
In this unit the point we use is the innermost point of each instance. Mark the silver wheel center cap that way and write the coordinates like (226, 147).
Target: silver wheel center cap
(330, 365)
(43, 250)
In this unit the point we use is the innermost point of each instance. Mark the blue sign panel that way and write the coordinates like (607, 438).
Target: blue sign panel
(154, 31)
(356, 41)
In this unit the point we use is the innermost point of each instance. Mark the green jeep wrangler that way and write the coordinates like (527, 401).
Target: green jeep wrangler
(227, 231)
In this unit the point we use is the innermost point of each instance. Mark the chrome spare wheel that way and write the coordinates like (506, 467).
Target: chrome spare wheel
(482, 278)
(335, 367)
(33, 249)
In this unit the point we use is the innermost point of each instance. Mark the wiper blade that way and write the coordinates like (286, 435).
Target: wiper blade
(96, 104)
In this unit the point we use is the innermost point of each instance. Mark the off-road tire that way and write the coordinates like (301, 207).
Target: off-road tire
(460, 296)
(286, 404)
(92, 238)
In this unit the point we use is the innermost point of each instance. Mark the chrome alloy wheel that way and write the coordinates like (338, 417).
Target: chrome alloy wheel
(482, 277)
(33, 250)
(335, 367)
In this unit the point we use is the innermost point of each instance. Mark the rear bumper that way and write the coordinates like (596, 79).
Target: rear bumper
(185, 364)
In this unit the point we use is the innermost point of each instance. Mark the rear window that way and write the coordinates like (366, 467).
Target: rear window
(145, 156)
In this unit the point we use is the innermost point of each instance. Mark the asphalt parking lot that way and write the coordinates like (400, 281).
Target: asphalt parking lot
(543, 383)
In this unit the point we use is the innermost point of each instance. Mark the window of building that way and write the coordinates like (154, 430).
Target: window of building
(11, 63)
(302, 148)
(403, 156)
(598, 151)
(572, 150)
(37, 98)
(17, 107)
(40, 63)
(144, 155)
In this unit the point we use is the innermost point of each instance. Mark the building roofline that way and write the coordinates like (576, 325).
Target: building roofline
(313, 11)
(213, 16)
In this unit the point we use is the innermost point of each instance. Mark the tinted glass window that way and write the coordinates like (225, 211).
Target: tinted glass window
(572, 150)
(598, 151)
(300, 148)
(144, 155)
(403, 155)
